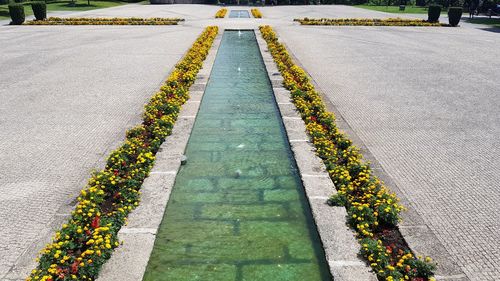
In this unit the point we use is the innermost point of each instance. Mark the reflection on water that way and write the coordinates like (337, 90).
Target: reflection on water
(239, 14)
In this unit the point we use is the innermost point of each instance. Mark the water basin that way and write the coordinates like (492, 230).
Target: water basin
(237, 210)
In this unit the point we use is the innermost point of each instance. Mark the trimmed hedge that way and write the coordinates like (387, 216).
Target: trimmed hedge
(39, 10)
(82, 246)
(454, 15)
(372, 209)
(16, 12)
(433, 13)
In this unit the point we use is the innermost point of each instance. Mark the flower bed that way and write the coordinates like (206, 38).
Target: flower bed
(83, 245)
(256, 13)
(369, 22)
(372, 210)
(105, 21)
(221, 13)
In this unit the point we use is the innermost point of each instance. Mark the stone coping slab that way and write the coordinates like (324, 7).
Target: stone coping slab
(419, 237)
(339, 242)
(129, 261)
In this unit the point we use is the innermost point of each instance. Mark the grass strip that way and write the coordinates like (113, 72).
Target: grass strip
(105, 21)
(369, 22)
(372, 210)
(63, 6)
(409, 9)
(495, 22)
(86, 241)
(221, 13)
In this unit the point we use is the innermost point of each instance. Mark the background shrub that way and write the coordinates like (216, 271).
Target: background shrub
(3, 2)
(434, 12)
(16, 12)
(39, 10)
(454, 15)
(18, 1)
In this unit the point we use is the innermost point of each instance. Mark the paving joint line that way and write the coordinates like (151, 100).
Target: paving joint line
(163, 173)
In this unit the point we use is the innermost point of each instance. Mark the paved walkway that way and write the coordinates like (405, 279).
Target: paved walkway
(68, 95)
(422, 100)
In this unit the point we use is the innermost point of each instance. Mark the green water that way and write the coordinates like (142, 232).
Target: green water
(239, 14)
(238, 210)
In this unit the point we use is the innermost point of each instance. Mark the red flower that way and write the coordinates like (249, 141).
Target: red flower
(74, 267)
(60, 273)
(95, 222)
(314, 118)
(389, 249)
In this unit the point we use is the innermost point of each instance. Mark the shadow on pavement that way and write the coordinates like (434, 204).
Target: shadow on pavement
(492, 29)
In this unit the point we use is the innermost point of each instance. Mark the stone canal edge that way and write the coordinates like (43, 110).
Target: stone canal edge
(129, 261)
(339, 242)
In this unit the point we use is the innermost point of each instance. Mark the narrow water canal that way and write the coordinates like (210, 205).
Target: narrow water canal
(238, 210)
(239, 14)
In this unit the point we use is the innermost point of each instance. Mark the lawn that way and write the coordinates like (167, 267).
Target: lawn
(493, 21)
(81, 5)
(395, 9)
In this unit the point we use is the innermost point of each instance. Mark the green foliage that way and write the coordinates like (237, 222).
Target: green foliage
(16, 12)
(18, 1)
(434, 13)
(39, 10)
(338, 199)
(454, 15)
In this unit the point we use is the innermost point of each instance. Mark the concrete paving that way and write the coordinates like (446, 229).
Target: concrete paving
(422, 101)
(68, 95)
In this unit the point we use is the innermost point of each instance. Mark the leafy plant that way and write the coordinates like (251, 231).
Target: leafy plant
(106, 21)
(433, 13)
(454, 15)
(367, 22)
(16, 12)
(39, 10)
(256, 13)
(221, 13)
